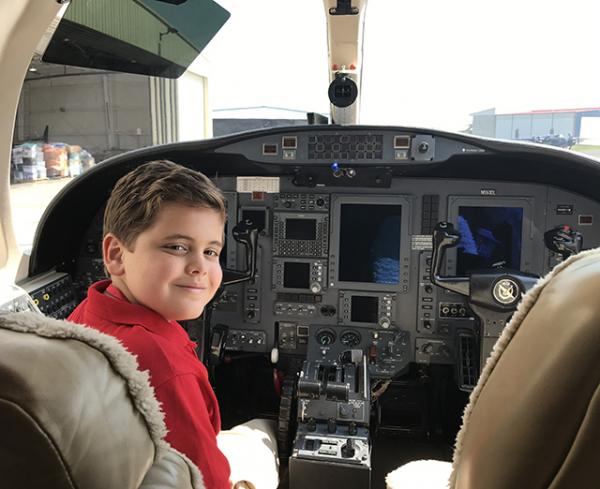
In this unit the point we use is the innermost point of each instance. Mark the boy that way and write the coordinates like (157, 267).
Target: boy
(163, 232)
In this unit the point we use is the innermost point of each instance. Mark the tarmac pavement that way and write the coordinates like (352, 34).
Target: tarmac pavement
(29, 201)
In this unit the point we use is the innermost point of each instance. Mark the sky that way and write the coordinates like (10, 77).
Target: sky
(427, 63)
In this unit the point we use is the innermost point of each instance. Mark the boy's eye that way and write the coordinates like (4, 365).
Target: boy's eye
(214, 253)
(177, 248)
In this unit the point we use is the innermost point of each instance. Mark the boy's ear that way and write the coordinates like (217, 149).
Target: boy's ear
(112, 254)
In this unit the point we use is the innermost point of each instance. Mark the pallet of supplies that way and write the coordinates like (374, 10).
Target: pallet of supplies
(28, 162)
(74, 152)
(87, 160)
(57, 160)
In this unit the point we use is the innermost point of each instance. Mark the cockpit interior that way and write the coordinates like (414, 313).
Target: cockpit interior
(368, 272)
(360, 298)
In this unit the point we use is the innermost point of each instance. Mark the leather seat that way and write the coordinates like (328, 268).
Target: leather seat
(76, 413)
(533, 420)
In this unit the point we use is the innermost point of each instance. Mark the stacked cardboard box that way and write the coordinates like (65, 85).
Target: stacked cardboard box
(87, 160)
(35, 161)
(28, 162)
(74, 153)
(57, 160)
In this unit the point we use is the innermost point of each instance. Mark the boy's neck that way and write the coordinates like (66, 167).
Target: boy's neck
(122, 288)
(123, 292)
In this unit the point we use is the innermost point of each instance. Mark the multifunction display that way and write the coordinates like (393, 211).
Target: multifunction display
(301, 229)
(367, 308)
(300, 234)
(370, 242)
(364, 309)
(296, 275)
(299, 274)
(490, 237)
(369, 247)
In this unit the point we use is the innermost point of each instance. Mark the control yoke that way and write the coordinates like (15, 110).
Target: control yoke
(493, 294)
(563, 240)
(246, 233)
(445, 236)
(498, 289)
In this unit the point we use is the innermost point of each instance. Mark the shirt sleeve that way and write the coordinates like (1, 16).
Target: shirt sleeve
(191, 430)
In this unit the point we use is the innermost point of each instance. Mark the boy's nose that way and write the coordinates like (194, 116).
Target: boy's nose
(196, 266)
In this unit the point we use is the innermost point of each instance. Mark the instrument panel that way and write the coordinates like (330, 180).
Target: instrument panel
(341, 270)
(345, 221)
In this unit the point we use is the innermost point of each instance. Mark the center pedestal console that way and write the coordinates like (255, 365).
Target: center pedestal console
(332, 446)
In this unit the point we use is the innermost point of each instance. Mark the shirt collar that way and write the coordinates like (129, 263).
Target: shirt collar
(117, 309)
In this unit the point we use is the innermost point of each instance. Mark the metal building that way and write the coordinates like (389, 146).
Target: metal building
(108, 113)
(581, 124)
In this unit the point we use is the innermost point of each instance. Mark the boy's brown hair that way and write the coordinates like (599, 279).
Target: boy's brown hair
(137, 197)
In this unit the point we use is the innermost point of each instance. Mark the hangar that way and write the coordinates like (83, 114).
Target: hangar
(583, 124)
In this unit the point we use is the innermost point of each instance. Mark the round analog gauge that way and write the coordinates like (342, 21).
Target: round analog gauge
(325, 337)
(350, 338)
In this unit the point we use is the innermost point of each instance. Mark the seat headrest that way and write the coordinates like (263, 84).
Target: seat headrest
(74, 409)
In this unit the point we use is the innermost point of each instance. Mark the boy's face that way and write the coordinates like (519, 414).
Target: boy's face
(173, 267)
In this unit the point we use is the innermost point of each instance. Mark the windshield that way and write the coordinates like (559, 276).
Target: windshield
(510, 70)
(270, 54)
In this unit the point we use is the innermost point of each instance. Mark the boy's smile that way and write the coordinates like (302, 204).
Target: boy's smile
(173, 267)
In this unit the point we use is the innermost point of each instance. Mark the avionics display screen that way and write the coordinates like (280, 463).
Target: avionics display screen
(489, 237)
(296, 275)
(301, 229)
(364, 309)
(370, 243)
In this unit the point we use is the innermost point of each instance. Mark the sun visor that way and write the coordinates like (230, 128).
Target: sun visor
(146, 37)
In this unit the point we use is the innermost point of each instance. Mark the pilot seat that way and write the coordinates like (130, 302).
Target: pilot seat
(75, 411)
(533, 420)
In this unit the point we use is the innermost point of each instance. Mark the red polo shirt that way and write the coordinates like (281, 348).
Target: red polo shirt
(179, 379)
